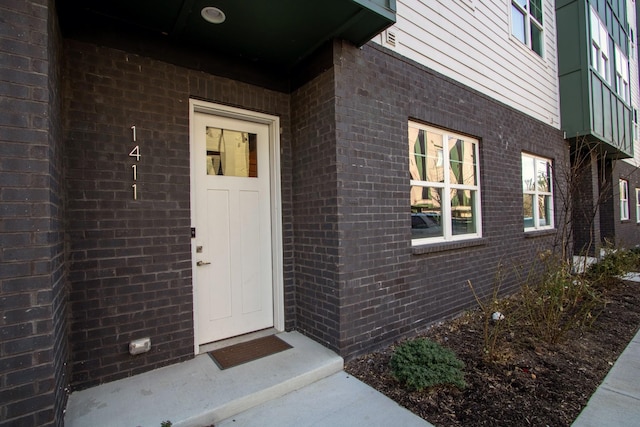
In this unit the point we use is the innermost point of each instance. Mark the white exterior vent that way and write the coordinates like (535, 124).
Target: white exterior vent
(390, 38)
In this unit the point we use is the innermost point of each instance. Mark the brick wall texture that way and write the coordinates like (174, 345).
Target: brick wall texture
(122, 268)
(33, 346)
(626, 233)
(359, 283)
(130, 260)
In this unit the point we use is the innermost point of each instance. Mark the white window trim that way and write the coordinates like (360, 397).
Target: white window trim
(537, 193)
(529, 20)
(624, 201)
(446, 187)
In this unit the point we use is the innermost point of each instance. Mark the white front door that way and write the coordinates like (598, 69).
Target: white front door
(232, 202)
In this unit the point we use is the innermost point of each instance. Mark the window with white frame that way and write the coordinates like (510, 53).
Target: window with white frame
(526, 23)
(632, 44)
(537, 189)
(637, 204)
(624, 200)
(445, 185)
(635, 123)
(622, 75)
(599, 46)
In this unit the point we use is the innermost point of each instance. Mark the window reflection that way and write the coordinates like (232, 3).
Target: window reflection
(231, 153)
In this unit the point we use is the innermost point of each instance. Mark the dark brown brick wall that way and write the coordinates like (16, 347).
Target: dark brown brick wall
(33, 348)
(387, 289)
(130, 261)
(315, 189)
(627, 233)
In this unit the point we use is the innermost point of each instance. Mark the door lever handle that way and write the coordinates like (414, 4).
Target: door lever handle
(200, 263)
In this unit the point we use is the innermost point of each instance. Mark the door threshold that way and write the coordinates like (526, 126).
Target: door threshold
(205, 348)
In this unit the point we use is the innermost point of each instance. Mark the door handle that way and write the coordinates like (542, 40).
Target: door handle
(201, 263)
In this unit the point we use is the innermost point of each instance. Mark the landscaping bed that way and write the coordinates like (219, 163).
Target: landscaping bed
(525, 381)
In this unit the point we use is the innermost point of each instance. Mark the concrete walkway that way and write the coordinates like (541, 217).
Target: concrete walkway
(302, 386)
(616, 402)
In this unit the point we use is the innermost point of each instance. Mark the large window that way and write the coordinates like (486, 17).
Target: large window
(445, 187)
(624, 200)
(622, 75)
(537, 189)
(526, 23)
(599, 46)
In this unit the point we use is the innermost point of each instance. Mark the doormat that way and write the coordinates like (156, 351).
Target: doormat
(244, 352)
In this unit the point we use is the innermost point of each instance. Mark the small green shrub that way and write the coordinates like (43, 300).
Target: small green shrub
(166, 424)
(422, 363)
(614, 263)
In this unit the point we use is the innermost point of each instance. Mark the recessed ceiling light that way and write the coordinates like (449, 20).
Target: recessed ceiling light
(213, 15)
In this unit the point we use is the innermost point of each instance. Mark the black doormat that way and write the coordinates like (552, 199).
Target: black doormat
(244, 352)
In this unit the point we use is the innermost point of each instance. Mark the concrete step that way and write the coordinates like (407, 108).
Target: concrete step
(198, 393)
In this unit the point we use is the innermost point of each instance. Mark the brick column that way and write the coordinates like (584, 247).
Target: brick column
(32, 309)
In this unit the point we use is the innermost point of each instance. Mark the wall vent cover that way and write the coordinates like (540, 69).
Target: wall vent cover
(390, 38)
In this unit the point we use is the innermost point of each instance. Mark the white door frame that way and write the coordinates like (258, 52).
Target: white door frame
(273, 122)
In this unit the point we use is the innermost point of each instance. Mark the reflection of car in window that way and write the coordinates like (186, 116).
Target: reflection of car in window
(425, 225)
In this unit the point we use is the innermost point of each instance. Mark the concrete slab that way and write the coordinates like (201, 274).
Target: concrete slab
(631, 277)
(607, 408)
(616, 402)
(623, 376)
(337, 401)
(197, 392)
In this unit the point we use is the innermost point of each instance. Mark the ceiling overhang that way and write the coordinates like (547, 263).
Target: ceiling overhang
(276, 33)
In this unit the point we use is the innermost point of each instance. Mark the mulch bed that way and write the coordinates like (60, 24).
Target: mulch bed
(531, 384)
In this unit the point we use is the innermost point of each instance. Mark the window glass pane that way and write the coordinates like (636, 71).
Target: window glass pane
(527, 211)
(518, 24)
(536, 10)
(425, 156)
(435, 163)
(595, 27)
(231, 153)
(417, 154)
(544, 175)
(463, 219)
(426, 212)
(536, 39)
(623, 189)
(544, 210)
(528, 174)
(462, 159)
(594, 56)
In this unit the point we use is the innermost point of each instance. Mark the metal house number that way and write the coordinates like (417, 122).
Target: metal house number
(135, 152)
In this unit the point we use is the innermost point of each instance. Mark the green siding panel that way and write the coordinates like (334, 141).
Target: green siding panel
(589, 106)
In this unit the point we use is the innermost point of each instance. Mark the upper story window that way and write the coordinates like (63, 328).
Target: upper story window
(526, 23)
(445, 187)
(622, 75)
(599, 46)
(537, 189)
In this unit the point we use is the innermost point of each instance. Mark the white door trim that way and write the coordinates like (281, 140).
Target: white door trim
(273, 122)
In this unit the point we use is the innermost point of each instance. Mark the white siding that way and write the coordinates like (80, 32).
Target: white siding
(470, 41)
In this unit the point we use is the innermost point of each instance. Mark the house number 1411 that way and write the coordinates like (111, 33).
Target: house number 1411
(135, 152)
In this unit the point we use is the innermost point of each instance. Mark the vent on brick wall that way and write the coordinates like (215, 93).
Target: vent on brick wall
(390, 38)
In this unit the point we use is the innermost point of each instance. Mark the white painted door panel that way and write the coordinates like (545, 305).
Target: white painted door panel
(233, 276)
